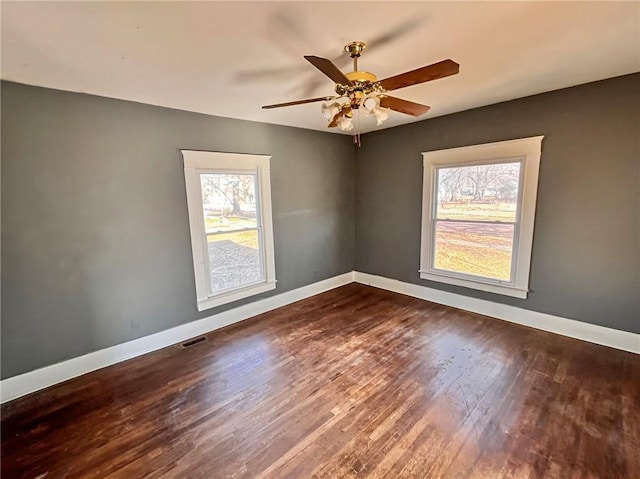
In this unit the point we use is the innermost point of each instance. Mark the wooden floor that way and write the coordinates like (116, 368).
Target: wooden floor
(356, 382)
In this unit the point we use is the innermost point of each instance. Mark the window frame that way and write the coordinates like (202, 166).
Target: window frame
(197, 163)
(526, 150)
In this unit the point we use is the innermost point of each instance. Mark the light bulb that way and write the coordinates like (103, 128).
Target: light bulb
(370, 103)
(381, 114)
(345, 123)
(329, 110)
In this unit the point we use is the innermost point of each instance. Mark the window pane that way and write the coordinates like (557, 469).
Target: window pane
(234, 260)
(228, 201)
(479, 249)
(478, 193)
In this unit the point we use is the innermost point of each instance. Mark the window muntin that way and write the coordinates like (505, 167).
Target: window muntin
(495, 234)
(229, 202)
(474, 221)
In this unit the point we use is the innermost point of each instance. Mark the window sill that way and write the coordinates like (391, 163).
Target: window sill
(488, 287)
(235, 295)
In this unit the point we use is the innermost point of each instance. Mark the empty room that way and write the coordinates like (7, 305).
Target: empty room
(320, 240)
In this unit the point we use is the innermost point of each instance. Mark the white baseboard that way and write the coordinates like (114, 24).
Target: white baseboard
(17, 386)
(547, 322)
(32, 381)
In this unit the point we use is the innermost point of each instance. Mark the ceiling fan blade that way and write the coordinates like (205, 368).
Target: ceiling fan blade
(403, 106)
(328, 68)
(298, 102)
(441, 69)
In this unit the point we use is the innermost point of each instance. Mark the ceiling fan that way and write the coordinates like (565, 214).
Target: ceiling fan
(362, 91)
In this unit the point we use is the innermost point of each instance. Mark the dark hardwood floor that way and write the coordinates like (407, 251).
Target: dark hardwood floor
(355, 382)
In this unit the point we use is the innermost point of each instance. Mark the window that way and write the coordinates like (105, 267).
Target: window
(478, 213)
(229, 201)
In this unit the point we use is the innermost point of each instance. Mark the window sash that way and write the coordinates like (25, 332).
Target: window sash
(495, 161)
(516, 223)
(258, 228)
(246, 172)
(261, 255)
(474, 277)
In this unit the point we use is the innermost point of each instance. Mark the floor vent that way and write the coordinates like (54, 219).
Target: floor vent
(191, 342)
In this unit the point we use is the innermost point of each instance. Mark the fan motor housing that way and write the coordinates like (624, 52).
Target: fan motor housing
(362, 77)
(362, 81)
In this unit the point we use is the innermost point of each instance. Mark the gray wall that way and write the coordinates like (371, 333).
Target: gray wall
(95, 236)
(95, 231)
(586, 250)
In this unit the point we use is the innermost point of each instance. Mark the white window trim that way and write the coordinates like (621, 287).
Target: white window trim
(527, 149)
(196, 161)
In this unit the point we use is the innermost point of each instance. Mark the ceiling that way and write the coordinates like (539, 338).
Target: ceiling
(229, 58)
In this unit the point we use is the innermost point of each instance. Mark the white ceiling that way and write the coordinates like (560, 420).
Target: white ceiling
(218, 57)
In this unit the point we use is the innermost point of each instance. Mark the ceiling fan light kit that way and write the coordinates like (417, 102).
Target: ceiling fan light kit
(362, 91)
